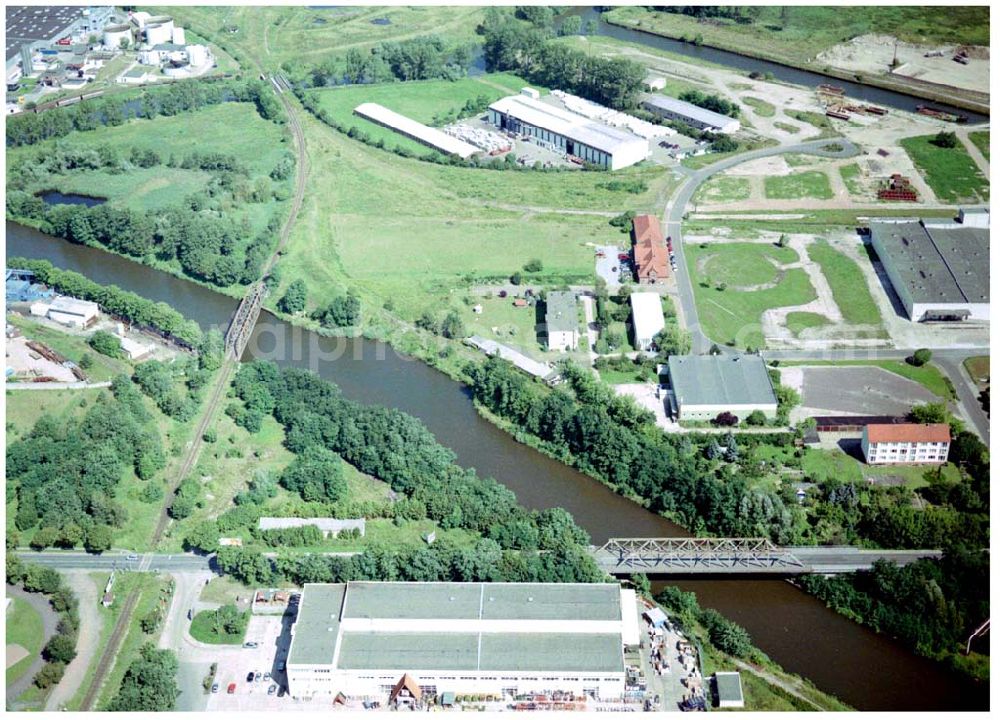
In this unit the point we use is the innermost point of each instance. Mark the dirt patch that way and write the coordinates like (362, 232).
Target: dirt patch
(764, 167)
(15, 654)
(874, 54)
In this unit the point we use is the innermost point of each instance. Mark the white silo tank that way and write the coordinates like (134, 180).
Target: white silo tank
(114, 34)
(157, 34)
(197, 55)
(178, 36)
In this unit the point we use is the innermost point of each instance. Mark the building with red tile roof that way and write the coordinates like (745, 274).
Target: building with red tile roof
(652, 261)
(906, 443)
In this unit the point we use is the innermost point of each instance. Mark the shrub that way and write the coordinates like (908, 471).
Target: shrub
(106, 344)
(919, 357)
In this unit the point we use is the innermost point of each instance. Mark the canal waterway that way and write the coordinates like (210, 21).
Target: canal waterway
(864, 669)
(784, 73)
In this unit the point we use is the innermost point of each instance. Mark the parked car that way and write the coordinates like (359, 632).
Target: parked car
(271, 690)
(267, 676)
(133, 556)
(256, 678)
(250, 676)
(231, 690)
(281, 666)
(215, 687)
(250, 644)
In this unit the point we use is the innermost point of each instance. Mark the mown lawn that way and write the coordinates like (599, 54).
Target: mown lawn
(796, 322)
(809, 184)
(760, 107)
(850, 291)
(981, 139)
(519, 327)
(950, 172)
(24, 628)
(724, 188)
(203, 630)
(732, 316)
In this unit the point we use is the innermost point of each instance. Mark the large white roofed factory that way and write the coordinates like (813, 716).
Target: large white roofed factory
(361, 638)
(567, 132)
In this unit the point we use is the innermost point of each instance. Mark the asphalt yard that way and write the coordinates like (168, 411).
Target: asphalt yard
(857, 390)
(271, 633)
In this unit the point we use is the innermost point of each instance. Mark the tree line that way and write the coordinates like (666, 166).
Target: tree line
(156, 316)
(932, 606)
(31, 128)
(524, 47)
(420, 58)
(150, 683)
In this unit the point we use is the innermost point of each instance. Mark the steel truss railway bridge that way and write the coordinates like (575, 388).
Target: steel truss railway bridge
(738, 556)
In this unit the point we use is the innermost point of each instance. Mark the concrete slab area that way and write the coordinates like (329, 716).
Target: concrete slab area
(857, 390)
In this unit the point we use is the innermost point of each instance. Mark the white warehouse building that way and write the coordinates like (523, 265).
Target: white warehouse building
(361, 638)
(674, 109)
(608, 147)
(647, 317)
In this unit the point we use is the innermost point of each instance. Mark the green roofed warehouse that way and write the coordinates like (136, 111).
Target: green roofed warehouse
(704, 386)
(360, 638)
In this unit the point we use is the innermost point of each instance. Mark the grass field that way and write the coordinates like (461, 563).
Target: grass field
(760, 107)
(232, 128)
(413, 233)
(977, 367)
(25, 407)
(203, 630)
(223, 589)
(981, 139)
(796, 322)
(928, 375)
(850, 291)
(310, 35)
(24, 628)
(796, 34)
(809, 184)
(421, 100)
(72, 347)
(518, 327)
(851, 175)
(722, 189)
(950, 172)
(733, 316)
(817, 120)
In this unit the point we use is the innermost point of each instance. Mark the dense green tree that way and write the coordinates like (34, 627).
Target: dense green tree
(316, 474)
(149, 684)
(106, 344)
(294, 299)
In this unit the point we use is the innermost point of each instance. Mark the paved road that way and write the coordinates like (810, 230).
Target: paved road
(676, 206)
(56, 386)
(49, 621)
(183, 562)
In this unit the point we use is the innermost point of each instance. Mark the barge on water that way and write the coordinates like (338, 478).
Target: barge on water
(941, 114)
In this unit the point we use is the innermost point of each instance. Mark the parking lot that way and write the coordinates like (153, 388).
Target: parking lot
(272, 635)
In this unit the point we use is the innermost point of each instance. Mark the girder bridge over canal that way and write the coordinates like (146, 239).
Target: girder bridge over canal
(738, 556)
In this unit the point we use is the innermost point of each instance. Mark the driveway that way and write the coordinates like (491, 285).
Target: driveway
(85, 590)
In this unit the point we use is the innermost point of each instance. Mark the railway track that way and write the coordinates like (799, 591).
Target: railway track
(234, 350)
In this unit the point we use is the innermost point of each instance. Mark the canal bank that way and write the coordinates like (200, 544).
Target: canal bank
(870, 89)
(864, 669)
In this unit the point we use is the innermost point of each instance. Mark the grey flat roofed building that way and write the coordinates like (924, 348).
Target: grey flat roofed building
(362, 637)
(939, 270)
(729, 688)
(699, 117)
(317, 625)
(562, 322)
(705, 385)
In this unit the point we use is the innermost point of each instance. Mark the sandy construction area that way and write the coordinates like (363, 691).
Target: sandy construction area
(874, 53)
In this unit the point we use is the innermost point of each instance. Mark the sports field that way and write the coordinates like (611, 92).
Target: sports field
(732, 315)
(25, 636)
